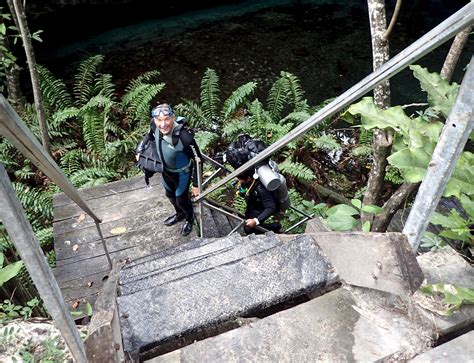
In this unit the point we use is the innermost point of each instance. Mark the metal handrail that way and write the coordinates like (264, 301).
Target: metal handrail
(431, 40)
(16, 131)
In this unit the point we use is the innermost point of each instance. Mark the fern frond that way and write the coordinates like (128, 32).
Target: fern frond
(92, 176)
(259, 121)
(137, 100)
(210, 94)
(24, 173)
(37, 203)
(205, 139)
(104, 86)
(365, 136)
(93, 130)
(54, 91)
(59, 117)
(277, 97)
(296, 93)
(325, 142)
(361, 151)
(72, 161)
(193, 113)
(298, 117)
(296, 169)
(145, 78)
(236, 127)
(237, 99)
(84, 80)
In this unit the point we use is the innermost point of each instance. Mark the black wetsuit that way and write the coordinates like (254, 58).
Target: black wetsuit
(177, 155)
(261, 204)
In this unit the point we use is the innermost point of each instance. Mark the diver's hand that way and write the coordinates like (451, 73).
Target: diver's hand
(195, 192)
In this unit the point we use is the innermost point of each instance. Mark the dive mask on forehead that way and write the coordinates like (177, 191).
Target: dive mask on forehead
(162, 110)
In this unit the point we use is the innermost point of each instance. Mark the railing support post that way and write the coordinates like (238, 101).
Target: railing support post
(26, 244)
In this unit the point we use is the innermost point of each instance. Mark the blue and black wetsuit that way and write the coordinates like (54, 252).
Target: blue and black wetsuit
(177, 155)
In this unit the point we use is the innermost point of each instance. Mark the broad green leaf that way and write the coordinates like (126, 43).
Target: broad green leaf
(374, 117)
(342, 209)
(366, 226)
(370, 208)
(412, 163)
(462, 177)
(466, 202)
(88, 309)
(340, 222)
(3, 29)
(10, 271)
(2, 257)
(444, 221)
(463, 235)
(356, 203)
(441, 94)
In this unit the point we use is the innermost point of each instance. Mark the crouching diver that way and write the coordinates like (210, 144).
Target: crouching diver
(177, 150)
(261, 204)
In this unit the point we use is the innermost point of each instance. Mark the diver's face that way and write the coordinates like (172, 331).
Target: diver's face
(164, 123)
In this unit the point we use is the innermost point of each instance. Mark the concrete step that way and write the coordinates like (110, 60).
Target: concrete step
(175, 257)
(205, 299)
(460, 349)
(334, 327)
(223, 251)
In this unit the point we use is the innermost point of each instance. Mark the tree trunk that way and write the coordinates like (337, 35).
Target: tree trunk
(19, 13)
(12, 75)
(382, 221)
(454, 53)
(382, 139)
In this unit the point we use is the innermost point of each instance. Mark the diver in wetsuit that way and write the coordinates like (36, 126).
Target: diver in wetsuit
(177, 149)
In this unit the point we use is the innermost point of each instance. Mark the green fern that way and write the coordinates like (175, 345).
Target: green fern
(296, 93)
(104, 86)
(92, 176)
(84, 81)
(210, 94)
(36, 202)
(277, 98)
(205, 139)
(362, 151)
(297, 170)
(54, 92)
(149, 77)
(325, 142)
(237, 99)
(137, 101)
(393, 175)
(192, 112)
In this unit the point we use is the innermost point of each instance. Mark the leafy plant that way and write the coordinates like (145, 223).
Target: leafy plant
(9, 271)
(416, 137)
(453, 295)
(341, 217)
(455, 226)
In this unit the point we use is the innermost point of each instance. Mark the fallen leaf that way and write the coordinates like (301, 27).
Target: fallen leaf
(81, 217)
(75, 248)
(75, 304)
(67, 242)
(90, 283)
(118, 230)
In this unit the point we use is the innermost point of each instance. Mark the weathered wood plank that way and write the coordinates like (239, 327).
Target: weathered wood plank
(106, 189)
(143, 229)
(108, 202)
(110, 229)
(139, 244)
(109, 215)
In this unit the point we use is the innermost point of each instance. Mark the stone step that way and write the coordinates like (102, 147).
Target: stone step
(460, 349)
(330, 328)
(193, 303)
(176, 257)
(185, 266)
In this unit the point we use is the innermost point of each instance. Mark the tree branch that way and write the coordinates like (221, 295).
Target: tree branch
(398, 5)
